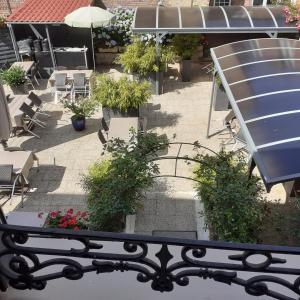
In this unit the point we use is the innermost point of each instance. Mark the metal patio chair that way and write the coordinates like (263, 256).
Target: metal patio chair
(8, 179)
(38, 103)
(102, 140)
(32, 75)
(30, 119)
(236, 138)
(104, 125)
(61, 84)
(80, 85)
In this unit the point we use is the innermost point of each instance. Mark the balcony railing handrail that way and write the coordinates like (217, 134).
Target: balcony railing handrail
(21, 261)
(110, 236)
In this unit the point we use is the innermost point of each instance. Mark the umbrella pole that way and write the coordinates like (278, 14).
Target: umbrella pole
(93, 50)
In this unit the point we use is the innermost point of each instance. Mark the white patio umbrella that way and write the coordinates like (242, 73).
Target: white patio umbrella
(89, 17)
(5, 122)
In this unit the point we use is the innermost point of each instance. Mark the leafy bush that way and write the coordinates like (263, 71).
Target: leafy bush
(83, 107)
(141, 59)
(14, 76)
(234, 207)
(118, 34)
(115, 186)
(185, 45)
(120, 94)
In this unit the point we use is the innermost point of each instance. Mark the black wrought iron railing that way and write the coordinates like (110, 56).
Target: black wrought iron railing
(175, 262)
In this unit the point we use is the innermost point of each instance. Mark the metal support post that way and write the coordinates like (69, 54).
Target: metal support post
(50, 47)
(14, 41)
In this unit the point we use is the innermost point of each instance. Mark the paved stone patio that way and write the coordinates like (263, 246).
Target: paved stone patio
(64, 155)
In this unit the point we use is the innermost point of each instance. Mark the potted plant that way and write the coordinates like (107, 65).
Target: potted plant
(119, 98)
(185, 46)
(15, 78)
(141, 60)
(82, 108)
(68, 220)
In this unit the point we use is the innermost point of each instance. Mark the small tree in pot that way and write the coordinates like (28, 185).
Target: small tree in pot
(82, 108)
(121, 97)
(15, 78)
(185, 46)
(141, 60)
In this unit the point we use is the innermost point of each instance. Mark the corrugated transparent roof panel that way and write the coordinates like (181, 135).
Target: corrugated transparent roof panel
(214, 17)
(233, 48)
(145, 17)
(237, 16)
(168, 17)
(260, 86)
(275, 129)
(266, 68)
(279, 16)
(260, 17)
(268, 105)
(191, 17)
(255, 56)
(280, 161)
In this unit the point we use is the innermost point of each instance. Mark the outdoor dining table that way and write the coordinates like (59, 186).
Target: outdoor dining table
(120, 128)
(16, 115)
(25, 65)
(70, 73)
(22, 161)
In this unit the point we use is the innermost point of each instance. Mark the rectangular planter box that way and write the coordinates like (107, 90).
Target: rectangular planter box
(105, 58)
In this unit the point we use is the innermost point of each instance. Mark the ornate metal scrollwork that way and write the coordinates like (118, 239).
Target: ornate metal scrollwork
(175, 261)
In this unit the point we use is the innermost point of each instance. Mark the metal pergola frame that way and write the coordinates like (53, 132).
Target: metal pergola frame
(256, 158)
(31, 24)
(160, 32)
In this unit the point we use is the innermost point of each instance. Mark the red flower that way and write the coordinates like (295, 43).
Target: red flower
(76, 228)
(70, 211)
(64, 225)
(53, 214)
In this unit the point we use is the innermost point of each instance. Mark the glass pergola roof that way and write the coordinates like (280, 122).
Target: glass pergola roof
(262, 80)
(210, 19)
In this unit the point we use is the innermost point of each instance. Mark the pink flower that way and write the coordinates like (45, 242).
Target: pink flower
(70, 211)
(53, 214)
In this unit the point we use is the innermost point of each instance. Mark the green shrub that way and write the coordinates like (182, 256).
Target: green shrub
(185, 45)
(14, 76)
(234, 207)
(120, 94)
(115, 187)
(83, 107)
(141, 59)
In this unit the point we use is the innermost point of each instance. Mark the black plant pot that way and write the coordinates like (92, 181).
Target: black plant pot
(156, 87)
(19, 90)
(109, 113)
(78, 123)
(185, 70)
